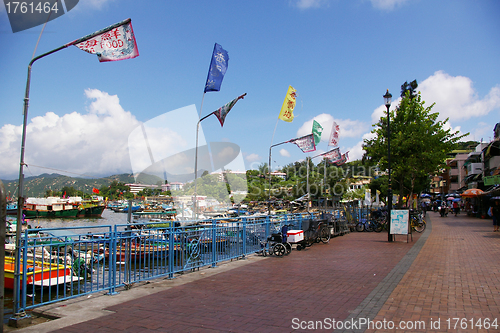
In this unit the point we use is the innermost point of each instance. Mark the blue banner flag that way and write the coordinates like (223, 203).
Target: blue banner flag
(218, 67)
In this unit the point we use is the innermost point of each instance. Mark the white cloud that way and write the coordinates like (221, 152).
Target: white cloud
(387, 4)
(284, 152)
(306, 4)
(356, 152)
(381, 111)
(456, 98)
(482, 132)
(252, 158)
(348, 128)
(93, 144)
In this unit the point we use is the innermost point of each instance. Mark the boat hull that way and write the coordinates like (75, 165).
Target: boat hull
(67, 213)
(93, 211)
(39, 274)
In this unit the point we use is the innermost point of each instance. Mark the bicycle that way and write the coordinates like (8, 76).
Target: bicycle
(417, 221)
(315, 234)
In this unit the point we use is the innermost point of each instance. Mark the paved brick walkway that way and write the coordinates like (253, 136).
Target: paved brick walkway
(456, 275)
(451, 271)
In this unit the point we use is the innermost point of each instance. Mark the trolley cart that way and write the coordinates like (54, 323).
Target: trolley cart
(315, 231)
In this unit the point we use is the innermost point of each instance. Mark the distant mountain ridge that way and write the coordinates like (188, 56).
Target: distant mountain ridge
(36, 186)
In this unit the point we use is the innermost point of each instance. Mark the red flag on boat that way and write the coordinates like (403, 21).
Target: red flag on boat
(95, 190)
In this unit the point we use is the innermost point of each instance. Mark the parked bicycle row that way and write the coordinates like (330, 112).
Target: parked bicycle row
(378, 221)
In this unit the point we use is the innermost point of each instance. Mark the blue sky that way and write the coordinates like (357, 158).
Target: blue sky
(339, 55)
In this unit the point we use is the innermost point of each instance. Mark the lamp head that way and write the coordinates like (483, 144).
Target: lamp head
(387, 98)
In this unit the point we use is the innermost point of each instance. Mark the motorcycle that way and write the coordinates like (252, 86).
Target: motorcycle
(443, 211)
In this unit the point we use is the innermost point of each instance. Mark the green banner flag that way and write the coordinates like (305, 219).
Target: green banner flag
(316, 131)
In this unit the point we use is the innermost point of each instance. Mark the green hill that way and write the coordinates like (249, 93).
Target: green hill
(37, 186)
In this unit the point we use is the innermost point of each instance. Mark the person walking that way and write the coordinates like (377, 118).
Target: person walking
(456, 209)
(495, 212)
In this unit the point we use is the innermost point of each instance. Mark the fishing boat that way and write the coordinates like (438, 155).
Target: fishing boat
(49, 208)
(11, 208)
(40, 274)
(90, 208)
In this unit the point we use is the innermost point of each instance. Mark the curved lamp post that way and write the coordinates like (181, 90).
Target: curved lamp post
(387, 101)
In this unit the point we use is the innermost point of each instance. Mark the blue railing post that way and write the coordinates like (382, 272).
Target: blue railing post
(214, 243)
(112, 262)
(244, 238)
(171, 251)
(24, 247)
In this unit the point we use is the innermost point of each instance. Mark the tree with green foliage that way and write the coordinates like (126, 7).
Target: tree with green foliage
(419, 143)
(409, 87)
(116, 190)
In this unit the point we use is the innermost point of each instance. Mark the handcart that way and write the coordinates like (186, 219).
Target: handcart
(314, 231)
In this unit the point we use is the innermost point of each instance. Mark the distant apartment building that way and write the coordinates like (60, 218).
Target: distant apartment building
(136, 188)
(357, 182)
(173, 186)
(220, 174)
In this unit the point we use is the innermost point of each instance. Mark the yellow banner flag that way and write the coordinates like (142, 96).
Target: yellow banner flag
(286, 113)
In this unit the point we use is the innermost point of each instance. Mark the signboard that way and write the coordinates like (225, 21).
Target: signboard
(491, 180)
(399, 221)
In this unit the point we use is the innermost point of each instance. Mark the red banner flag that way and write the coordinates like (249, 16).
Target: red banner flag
(94, 190)
(116, 42)
(334, 135)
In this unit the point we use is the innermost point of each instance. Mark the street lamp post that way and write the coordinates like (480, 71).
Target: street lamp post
(387, 100)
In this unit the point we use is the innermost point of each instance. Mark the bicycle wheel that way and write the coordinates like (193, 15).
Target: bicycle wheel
(324, 235)
(377, 226)
(279, 250)
(420, 226)
(360, 227)
(288, 248)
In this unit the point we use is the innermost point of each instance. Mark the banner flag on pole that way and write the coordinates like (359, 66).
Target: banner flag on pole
(222, 112)
(305, 143)
(218, 67)
(317, 129)
(286, 112)
(95, 190)
(116, 42)
(334, 135)
(333, 155)
(344, 159)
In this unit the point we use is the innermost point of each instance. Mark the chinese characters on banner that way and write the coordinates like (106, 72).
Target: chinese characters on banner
(111, 45)
(305, 143)
(334, 135)
(286, 113)
(332, 155)
(217, 70)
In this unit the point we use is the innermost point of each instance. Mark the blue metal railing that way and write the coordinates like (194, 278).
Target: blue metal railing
(64, 263)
